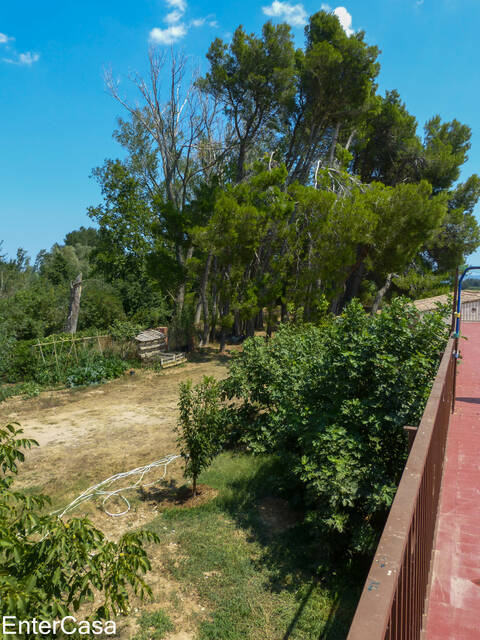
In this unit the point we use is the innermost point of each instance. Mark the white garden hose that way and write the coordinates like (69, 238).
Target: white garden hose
(101, 489)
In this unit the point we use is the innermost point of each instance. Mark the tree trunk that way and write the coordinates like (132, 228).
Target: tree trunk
(194, 486)
(223, 333)
(74, 306)
(284, 312)
(335, 304)
(237, 329)
(241, 162)
(331, 155)
(381, 292)
(214, 302)
(223, 339)
(250, 328)
(203, 294)
(259, 320)
(353, 284)
(198, 313)
(350, 139)
(180, 298)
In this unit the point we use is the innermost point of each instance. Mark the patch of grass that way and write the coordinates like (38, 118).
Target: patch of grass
(154, 626)
(255, 582)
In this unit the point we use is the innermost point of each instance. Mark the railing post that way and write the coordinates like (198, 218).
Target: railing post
(455, 355)
(411, 432)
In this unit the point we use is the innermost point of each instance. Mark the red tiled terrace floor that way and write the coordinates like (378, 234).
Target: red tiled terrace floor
(454, 606)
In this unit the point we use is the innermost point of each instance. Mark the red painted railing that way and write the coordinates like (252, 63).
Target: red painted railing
(394, 597)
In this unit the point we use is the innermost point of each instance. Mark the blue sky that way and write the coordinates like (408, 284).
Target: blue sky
(56, 118)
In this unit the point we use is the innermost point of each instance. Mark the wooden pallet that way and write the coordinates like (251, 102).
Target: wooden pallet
(172, 359)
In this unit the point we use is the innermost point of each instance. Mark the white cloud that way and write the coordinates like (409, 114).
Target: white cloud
(294, 14)
(24, 59)
(343, 16)
(345, 19)
(28, 58)
(178, 25)
(173, 17)
(168, 36)
(181, 5)
(4, 38)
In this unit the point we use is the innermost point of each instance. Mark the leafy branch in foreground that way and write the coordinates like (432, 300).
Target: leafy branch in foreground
(48, 567)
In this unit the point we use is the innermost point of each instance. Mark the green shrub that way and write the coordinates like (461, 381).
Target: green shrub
(125, 329)
(100, 306)
(35, 310)
(29, 389)
(333, 402)
(72, 365)
(200, 425)
(23, 361)
(98, 370)
(7, 345)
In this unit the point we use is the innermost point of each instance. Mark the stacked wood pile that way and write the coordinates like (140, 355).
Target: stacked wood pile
(152, 343)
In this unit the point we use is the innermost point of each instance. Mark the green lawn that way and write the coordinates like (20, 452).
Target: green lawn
(257, 582)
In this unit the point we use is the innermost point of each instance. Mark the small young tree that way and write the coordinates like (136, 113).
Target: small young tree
(200, 425)
(49, 567)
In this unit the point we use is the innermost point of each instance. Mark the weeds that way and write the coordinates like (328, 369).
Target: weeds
(154, 626)
(255, 582)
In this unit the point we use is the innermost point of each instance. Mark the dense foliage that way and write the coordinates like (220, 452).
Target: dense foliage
(34, 298)
(309, 190)
(200, 425)
(49, 567)
(57, 361)
(333, 401)
(278, 186)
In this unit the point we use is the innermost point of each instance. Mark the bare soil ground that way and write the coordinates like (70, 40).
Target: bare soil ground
(87, 435)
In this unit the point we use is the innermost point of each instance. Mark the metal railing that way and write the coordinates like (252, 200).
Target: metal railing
(393, 600)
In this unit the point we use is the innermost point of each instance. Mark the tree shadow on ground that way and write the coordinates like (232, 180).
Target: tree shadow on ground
(290, 552)
(171, 494)
(208, 354)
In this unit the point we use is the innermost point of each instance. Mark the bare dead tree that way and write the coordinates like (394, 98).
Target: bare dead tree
(74, 306)
(185, 127)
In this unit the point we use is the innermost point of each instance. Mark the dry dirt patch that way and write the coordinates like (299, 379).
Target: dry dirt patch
(277, 514)
(87, 435)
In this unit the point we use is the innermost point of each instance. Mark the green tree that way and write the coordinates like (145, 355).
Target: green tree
(336, 82)
(387, 148)
(85, 237)
(100, 306)
(446, 145)
(459, 234)
(61, 264)
(254, 79)
(200, 426)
